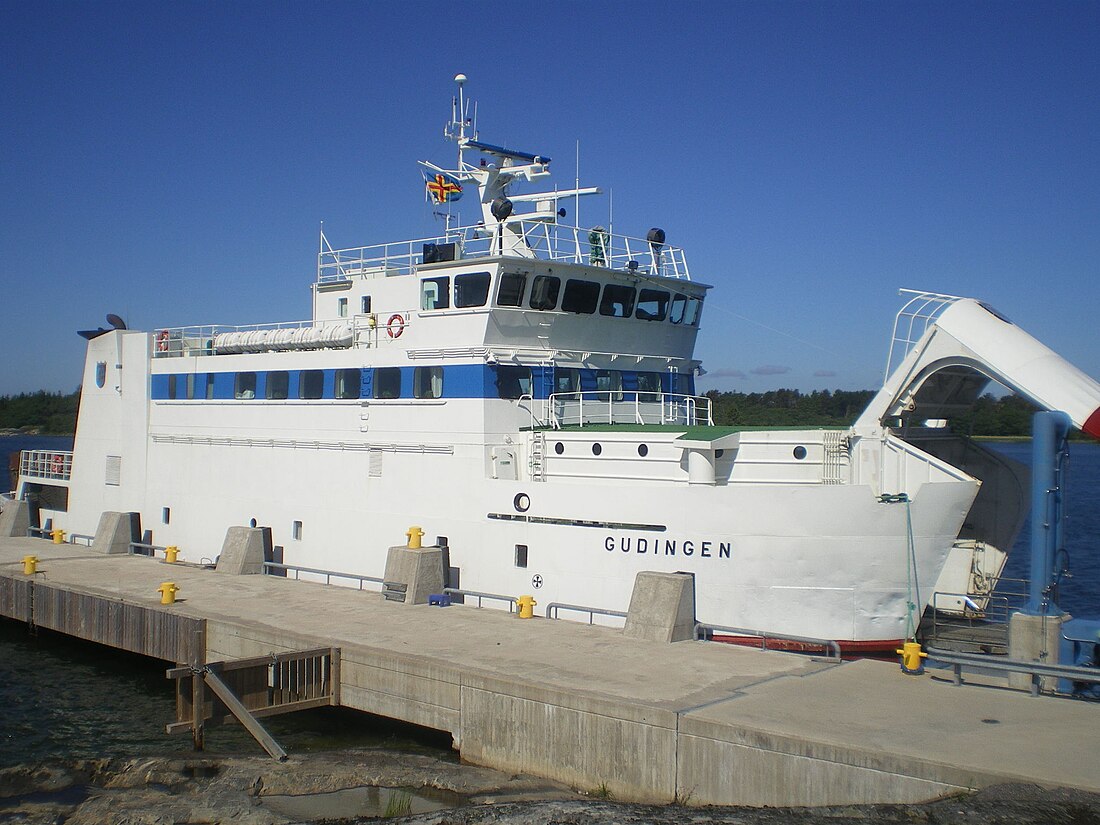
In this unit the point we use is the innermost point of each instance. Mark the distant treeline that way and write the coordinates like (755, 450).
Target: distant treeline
(55, 413)
(47, 413)
(786, 408)
(990, 416)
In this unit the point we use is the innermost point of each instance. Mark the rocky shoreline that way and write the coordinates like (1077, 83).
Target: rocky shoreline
(199, 789)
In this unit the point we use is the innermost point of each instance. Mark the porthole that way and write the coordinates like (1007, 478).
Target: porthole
(643, 450)
(521, 502)
(800, 452)
(719, 453)
(559, 448)
(596, 449)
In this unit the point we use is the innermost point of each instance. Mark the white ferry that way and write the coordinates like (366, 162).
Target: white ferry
(524, 391)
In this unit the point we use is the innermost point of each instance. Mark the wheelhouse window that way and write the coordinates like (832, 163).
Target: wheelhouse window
(435, 293)
(428, 382)
(513, 382)
(365, 304)
(510, 289)
(387, 382)
(652, 305)
(245, 385)
(209, 385)
(172, 381)
(544, 292)
(685, 309)
(348, 383)
(190, 385)
(681, 383)
(278, 385)
(311, 384)
(617, 301)
(609, 385)
(472, 289)
(649, 386)
(580, 296)
(342, 307)
(567, 380)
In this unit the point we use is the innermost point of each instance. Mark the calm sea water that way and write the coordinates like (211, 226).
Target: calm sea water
(66, 699)
(1079, 594)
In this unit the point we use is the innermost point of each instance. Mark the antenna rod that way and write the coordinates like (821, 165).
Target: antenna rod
(460, 79)
(577, 197)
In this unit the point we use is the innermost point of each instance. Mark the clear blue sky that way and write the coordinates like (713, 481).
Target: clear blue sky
(171, 162)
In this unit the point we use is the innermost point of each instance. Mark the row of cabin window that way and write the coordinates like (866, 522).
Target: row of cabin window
(347, 384)
(603, 385)
(512, 382)
(580, 297)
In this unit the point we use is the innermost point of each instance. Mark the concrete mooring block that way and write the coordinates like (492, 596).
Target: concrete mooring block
(662, 607)
(1034, 639)
(242, 552)
(115, 532)
(413, 574)
(15, 519)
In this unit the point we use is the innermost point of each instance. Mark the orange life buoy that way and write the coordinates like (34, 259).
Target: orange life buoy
(162, 341)
(395, 326)
(58, 465)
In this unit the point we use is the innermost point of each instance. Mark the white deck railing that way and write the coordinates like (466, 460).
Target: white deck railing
(526, 239)
(52, 465)
(577, 409)
(912, 321)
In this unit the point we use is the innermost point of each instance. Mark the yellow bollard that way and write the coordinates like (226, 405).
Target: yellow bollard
(912, 658)
(526, 606)
(30, 565)
(167, 592)
(58, 536)
(415, 534)
(170, 553)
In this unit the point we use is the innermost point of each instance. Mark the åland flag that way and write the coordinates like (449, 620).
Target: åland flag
(442, 188)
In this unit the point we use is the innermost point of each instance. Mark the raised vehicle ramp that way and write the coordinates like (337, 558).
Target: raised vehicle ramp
(585, 705)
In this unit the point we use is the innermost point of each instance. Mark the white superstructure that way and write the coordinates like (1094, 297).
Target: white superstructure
(525, 392)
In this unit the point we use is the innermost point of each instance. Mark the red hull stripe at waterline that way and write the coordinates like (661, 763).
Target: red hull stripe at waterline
(1092, 426)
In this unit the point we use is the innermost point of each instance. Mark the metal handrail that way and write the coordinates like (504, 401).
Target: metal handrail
(87, 539)
(1036, 670)
(454, 591)
(534, 239)
(702, 630)
(328, 574)
(137, 544)
(634, 407)
(553, 608)
(912, 321)
(52, 464)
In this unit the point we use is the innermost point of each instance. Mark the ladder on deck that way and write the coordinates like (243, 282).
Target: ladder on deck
(535, 456)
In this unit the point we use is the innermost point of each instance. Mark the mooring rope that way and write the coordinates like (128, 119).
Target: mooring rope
(912, 585)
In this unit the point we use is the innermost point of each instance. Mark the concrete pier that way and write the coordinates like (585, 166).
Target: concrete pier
(588, 706)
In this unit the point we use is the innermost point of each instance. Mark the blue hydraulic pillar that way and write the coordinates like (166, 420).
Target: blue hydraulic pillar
(1049, 451)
